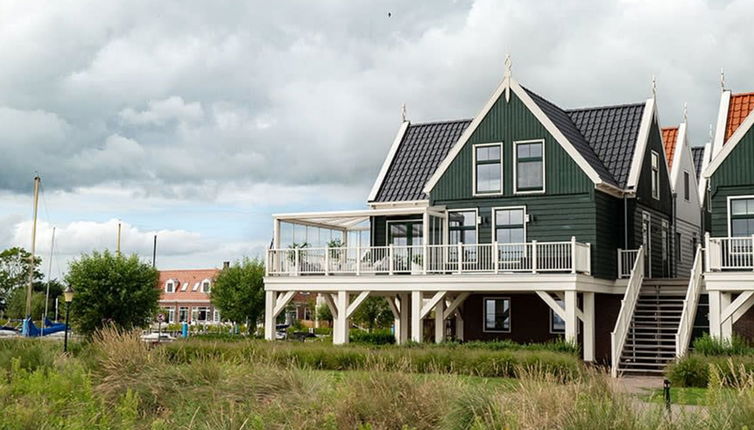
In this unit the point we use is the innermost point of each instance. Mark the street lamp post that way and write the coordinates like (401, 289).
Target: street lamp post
(68, 295)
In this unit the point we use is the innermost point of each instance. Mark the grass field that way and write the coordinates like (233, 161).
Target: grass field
(118, 382)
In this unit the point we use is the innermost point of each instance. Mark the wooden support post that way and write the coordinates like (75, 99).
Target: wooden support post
(459, 325)
(573, 254)
(589, 317)
(534, 256)
(440, 321)
(340, 331)
(726, 326)
(269, 314)
(405, 309)
(416, 316)
(715, 314)
(571, 320)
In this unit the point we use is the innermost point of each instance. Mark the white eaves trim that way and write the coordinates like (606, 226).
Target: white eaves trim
(641, 144)
(388, 160)
(706, 158)
(722, 120)
(737, 136)
(510, 84)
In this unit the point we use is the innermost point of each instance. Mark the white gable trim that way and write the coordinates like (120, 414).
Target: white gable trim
(510, 84)
(722, 121)
(641, 144)
(706, 158)
(678, 147)
(737, 136)
(388, 160)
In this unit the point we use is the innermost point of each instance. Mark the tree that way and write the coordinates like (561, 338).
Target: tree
(238, 291)
(373, 313)
(16, 306)
(324, 313)
(14, 272)
(112, 289)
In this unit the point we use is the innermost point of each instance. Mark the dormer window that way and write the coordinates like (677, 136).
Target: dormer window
(655, 175)
(170, 286)
(488, 169)
(205, 286)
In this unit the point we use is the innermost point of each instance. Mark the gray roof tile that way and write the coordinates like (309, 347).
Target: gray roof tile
(422, 149)
(698, 153)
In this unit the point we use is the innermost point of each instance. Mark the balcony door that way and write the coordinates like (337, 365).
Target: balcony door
(407, 237)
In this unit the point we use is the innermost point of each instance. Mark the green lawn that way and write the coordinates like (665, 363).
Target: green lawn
(678, 396)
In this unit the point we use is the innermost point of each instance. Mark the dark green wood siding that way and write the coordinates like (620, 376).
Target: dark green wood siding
(644, 187)
(609, 233)
(734, 177)
(508, 122)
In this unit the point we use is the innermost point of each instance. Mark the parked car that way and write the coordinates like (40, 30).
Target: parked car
(157, 338)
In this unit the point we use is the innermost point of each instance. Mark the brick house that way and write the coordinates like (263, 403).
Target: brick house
(185, 296)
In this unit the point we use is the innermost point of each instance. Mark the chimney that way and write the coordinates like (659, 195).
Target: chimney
(226, 265)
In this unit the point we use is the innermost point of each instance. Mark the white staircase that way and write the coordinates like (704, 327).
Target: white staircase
(650, 341)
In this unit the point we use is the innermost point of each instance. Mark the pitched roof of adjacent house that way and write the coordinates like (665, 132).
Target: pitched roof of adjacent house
(669, 137)
(187, 283)
(604, 136)
(738, 109)
(698, 153)
(612, 132)
(422, 149)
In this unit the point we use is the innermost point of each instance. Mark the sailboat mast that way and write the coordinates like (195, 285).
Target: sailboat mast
(37, 181)
(49, 273)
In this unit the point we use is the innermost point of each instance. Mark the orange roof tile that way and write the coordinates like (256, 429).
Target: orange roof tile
(187, 279)
(669, 136)
(739, 108)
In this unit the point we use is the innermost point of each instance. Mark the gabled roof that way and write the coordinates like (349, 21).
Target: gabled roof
(669, 138)
(421, 150)
(565, 124)
(612, 132)
(738, 109)
(191, 278)
(698, 153)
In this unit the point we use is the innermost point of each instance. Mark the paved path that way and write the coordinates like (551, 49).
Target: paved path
(640, 385)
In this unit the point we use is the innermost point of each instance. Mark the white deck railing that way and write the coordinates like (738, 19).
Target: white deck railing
(730, 253)
(686, 325)
(530, 257)
(628, 304)
(626, 259)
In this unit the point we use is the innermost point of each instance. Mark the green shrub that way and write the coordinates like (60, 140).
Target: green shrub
(692, 371)
(377, 337)
(695, 369)
(708, 345)
(323, 331)
(31, 354)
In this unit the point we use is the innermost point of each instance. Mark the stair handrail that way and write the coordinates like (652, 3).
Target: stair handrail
(627, 307)
(690, 304)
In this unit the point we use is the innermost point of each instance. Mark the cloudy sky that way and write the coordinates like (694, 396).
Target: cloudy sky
(196, 120)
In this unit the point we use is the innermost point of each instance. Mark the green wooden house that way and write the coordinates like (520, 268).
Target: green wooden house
(527, 222)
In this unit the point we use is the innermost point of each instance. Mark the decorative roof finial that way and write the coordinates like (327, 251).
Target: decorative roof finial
(403, 113)
(685, 112)
(508, 66)
(722, 79)
(654, 86)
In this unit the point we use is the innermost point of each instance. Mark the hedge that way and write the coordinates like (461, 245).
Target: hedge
(695, 370)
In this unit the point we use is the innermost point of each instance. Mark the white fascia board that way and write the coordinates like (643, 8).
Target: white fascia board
(737, 136)
(706, 158)
(641, 143)
(400, 204)
(679, 147)
(388, 160)
(512, 85)
(722, 121)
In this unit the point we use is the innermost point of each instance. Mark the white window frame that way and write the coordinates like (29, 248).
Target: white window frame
(476, 223)
(188, 314)
(473, 170)
(561, 302)
(515, 167)
(494, 220)
(655, 178)
(730, 211)
(686, 186)
(484, 314)
(401, 221)
(171, 283)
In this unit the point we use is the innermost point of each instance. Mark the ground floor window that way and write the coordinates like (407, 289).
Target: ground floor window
(200, 314)
(216, 316)
(183, 314)
(497, 314)
(168, 314)
(557, 324)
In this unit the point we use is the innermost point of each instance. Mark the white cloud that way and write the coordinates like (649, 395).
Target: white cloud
(162, 111)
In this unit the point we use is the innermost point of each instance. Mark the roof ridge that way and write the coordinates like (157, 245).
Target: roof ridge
(732, 94)
(450, 121)
(622, 105)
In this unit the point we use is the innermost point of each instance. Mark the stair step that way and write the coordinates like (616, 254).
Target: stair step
(623, 370)
(634, 364)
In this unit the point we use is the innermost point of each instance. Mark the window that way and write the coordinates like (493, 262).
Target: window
(655, 175)
(170, 315)
(205, 287)
(462, 227)
(497, 314)
(216, 316)
(686, 195)
(200, 314)
(530, 166)
(509, 225)
(183, 314)
(488, 169)
(557, 324)
(742, 217)
(170, 286)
